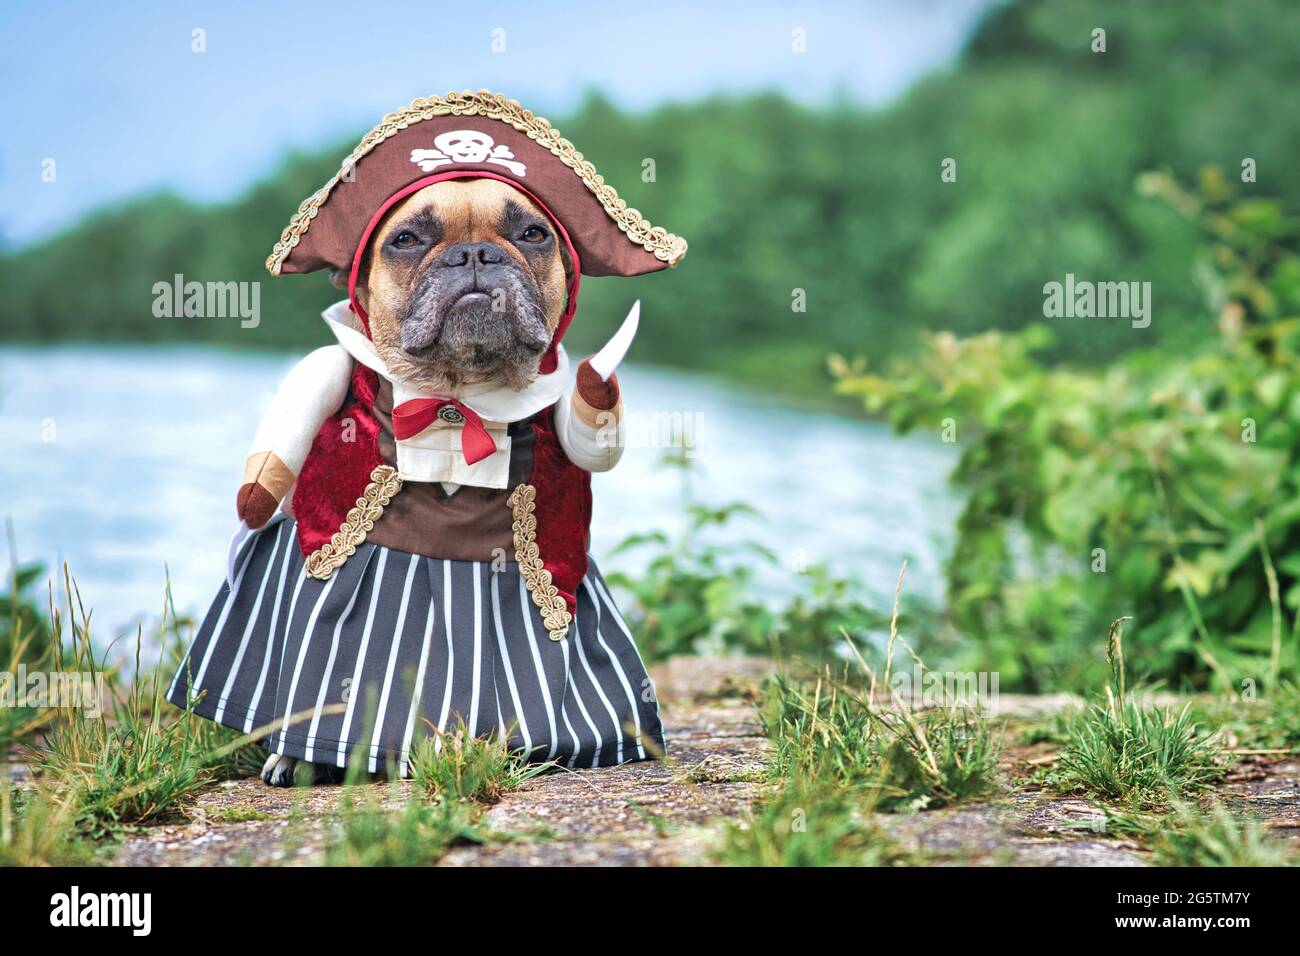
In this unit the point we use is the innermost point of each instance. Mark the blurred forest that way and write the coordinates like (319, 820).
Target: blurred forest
(844, 203)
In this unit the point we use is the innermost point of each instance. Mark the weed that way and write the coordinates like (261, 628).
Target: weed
(1216, 838)
(1190, 836)
(1136, 754)
(128, 765)
(417, 836)
(38, 828)
(457, 765)
(802, 826)
(907, 756)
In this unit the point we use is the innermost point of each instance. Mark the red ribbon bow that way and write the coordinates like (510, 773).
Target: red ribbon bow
(412, 417)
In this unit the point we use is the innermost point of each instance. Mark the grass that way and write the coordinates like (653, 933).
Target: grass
(18, 723)
(132, 763)
(843, 753)
(456, 777)
(904, 756)
(1216, 838)
(801, 826)
(1133, 753)
(135, 763)
(457, 765)
(1138, 755)
(38, 828)
(840, 755)
(418, 835)
(1267, 722)
(24, 640)
(1190, 836)
(109, 761)
(908, 759)
(234, 814)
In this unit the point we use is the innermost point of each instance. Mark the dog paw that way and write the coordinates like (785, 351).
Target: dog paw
(278, 771)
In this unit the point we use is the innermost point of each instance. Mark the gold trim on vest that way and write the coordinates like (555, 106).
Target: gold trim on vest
(654, 239)
(555, 612)
(360, 521)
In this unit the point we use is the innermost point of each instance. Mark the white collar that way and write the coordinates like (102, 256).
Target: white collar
(493, 402)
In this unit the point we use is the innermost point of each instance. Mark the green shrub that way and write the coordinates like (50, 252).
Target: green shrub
(699, 596)
(1161, 487)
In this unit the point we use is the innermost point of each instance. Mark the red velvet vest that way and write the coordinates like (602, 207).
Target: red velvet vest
(345, 484)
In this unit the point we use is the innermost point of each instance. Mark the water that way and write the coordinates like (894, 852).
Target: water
(124, 462)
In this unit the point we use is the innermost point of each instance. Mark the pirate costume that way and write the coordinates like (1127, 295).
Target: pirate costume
(428, 563)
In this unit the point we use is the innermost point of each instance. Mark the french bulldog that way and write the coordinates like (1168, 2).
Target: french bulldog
(464, 283)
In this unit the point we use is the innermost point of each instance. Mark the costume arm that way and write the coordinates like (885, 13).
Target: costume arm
(309, 394)
(590, 423)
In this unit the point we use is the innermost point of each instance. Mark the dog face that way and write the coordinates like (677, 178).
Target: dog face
(464, 282)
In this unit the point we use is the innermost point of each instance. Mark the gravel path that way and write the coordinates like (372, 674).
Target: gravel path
(660, 813)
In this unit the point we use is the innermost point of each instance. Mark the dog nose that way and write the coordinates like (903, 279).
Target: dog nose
(471, 253)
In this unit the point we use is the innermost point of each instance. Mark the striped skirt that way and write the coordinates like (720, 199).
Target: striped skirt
(365, 663)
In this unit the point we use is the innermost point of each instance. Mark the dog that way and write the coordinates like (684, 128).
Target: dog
(416, 500)
(464, 283)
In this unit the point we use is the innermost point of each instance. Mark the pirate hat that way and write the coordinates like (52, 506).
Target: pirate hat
(463, 135)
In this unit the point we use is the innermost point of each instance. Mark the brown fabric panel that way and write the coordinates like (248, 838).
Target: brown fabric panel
(474, 524)
(383, 409)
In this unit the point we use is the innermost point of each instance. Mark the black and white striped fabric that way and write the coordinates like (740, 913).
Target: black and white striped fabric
(391, 643)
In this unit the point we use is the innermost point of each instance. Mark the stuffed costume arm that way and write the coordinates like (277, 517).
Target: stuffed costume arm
(309, 394)
(589, 424)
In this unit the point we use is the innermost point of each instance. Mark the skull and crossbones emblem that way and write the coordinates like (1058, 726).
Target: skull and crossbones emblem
(466, 146)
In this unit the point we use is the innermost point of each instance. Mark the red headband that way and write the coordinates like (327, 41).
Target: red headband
(550, 359)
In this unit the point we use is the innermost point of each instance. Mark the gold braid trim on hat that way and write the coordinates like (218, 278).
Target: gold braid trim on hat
(555, 612)
(654, 239)
(360, 521)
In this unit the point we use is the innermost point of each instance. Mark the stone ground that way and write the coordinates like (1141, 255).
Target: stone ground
(661, 813)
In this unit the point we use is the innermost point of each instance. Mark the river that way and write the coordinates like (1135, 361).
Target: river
(124, 462)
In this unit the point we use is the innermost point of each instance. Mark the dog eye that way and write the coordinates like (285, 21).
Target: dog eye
(533, 234)
(405, 240)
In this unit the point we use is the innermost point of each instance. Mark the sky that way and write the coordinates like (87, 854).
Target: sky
(117, 97)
